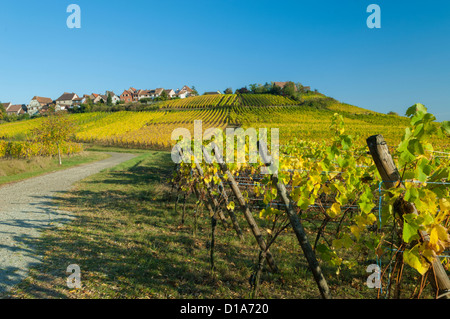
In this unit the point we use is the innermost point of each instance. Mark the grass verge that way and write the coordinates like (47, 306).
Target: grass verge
(14, 170)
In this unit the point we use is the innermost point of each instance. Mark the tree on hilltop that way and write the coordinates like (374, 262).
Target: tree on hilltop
(243, 90)
(194, 91)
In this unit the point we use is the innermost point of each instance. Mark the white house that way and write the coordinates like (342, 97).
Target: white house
(150, 94)
(144, 94)
(37, 103)
(170, 93)
(59, 107)
(114, 97)
(184, 92)
(67, 100)
(100, 98)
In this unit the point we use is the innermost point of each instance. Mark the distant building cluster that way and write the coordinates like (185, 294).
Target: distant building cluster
(41, 105)
(67, 101)
(133, 95)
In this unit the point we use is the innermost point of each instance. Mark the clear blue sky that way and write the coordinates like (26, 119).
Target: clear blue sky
(230, 43)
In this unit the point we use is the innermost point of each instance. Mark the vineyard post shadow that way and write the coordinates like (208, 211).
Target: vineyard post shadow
(391, 177)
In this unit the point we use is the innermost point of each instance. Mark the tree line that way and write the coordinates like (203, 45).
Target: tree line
(290, 90)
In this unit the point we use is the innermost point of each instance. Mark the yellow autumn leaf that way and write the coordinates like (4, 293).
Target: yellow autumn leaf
(444, 204)
(296, 180)
(371, 218)
(326, 189)
(434, 239)
(316, 179)
(335, 210)
(442, 233)
(355, 231)
(412, 258)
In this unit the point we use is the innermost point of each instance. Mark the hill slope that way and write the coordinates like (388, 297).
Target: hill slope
(309, 119)
(227, 100)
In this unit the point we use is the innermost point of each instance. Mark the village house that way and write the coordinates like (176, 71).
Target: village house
(6, 105)
(188, 89)
(150, 94)
(37, 103)
(100, 99)
(126, 96)
(156, 92)
(170, 93)
(114, 98)
(67, 100)
(184, 92)
(93, 96)
(144, 94)
(17, 109)
(78, 101)
(134, 95)
(130, 95)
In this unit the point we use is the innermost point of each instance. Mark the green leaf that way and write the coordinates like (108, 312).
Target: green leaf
(303, 203)
(346, 142)
(410, 232)
(406, 157)
(423, 170)
(411, 110)
(366, 206)
(411, 195)
(415, 147)
(419, 131)
(412, 258)
(441, 173)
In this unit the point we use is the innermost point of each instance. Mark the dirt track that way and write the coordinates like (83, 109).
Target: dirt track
(26, 209)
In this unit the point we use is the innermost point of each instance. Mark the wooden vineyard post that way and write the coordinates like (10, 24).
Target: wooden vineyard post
(225, 197)
(245, 210)
(297, 227)
(391, 177)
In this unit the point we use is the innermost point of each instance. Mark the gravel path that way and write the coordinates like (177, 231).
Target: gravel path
(26, 209)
